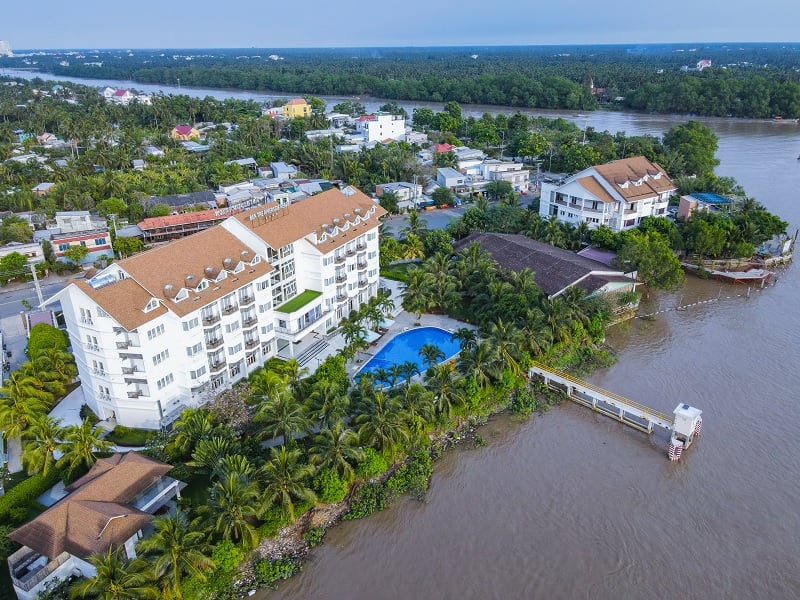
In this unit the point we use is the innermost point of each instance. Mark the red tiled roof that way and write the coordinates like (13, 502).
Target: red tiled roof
(120, 92)
(184, 218)
(296, 101)
(183, 129)
(366, 118)
(443, 148)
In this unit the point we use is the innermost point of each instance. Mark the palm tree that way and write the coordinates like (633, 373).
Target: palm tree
(237, 464)
(282, 416)
(57, 361)
(409, 369)
(480, 363)
(285, 479)
(210, 452)
(446, 385)
(415, 226)
(80, 444)
(328, 403)
(334, 448)
(267, 384)
(21, 401)
(384, 302)
(176, 550)
(431, 354)
(382, 425)
(117, 579)
(42, 440)
(415, 292)
(419, 407)
(467, 337)
(506, 340)
(233, 507)
(192, 426)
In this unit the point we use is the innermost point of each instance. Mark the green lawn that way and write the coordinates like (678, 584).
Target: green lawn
(298, 302)
(126, 436)
(398, 272)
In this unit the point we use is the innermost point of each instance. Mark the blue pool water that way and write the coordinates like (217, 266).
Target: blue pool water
(404, 347)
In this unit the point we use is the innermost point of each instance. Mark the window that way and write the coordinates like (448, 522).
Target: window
(165, 381)
(63, 247)
(196, 349)
(232, 327)
(101, 312)
(373, 254)
(160, 357)
(266, 348)
(371, 236)
(329, 281)
(83, 243)
(99, 241)
(153, 304)
(235, 349)
(155, 332)
(267, 328)
(262, 285)
(265, 307)
(191, 323)
(198, 373)
(282, 323)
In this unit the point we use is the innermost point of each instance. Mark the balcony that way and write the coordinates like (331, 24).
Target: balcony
(361, 246)
(87, 321)
(99, 372)
(339, 259)
(29, 568)
(216, 342)
(210, 320)
(341, 278)
(350, 252)
(104, 397)
(217, 366)
(249, 320)
(93, 347)
(250, 344)
(363, 283)
(130, 370)
(231, 308)
(341, 297)
(247, 300)
(136, 394)
(362, 265)
(123, 345)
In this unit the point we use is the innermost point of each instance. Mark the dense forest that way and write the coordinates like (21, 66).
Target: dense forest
(755, 81)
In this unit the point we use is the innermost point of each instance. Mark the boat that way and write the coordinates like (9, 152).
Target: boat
(748, 274)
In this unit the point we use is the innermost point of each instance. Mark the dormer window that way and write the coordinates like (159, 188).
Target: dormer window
(637, 183)
(239, 268)
(624, 184)
(152, 305)
(256, 260)
(203, 285)
(182, 295)
(657, 175)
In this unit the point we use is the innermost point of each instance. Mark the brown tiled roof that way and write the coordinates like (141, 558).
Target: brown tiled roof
(308, 216)
(295, 101)
(633, 169)
(153, 270)
(199, 216)
(96, 513)
(554, 269)
(593, 186)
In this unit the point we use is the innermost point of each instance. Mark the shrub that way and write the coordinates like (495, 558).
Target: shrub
(329, 486)
(314, 536)
(524, 402)
(369, 498)
(373, 464)
(413, 476)
(15, 503)
(88, 413)
(268, 572)
(44, 337)
(127, 436)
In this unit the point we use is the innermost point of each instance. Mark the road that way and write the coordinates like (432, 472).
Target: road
(11, 298)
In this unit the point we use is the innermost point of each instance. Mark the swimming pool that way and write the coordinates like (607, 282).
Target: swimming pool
(404, 347)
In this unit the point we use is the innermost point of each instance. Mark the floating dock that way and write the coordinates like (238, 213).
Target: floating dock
(684, 424)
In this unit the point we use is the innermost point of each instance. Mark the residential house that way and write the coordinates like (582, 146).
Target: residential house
(138, 164)
(702, 202)
(497, 170)
(171, 227)
(555, 270)
(32, 251)
(381, 127)
(78, 220)
(168, 328)
(618, 194)
(97, 242)
(43, 188)
(108, 507)
(408, 194)
(450, 178)
(185, 133)
(182, 201)
(123, 97)
(281, 170)
(297, 107)
(248, 163)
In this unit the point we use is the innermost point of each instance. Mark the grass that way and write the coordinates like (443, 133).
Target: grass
(127, 436)
(298, 302)
(398, 272)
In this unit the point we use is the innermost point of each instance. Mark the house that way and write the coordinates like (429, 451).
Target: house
(42, 188)
(497, 170)
(618, 194)
(450, 178)
(73, 221)
(281, 170)
(181, 201)
(123, 97)
(702, 202)
(555, 269)
(166, 329)
(443, 148)
(171, 227)
(107, 507)
(153, 151)
(297, 107)
(408, 194)
(32, 251)
(248, 163)
(184, 133)
(97, 242)
(138, 164)
(381, 127)
(194, 147)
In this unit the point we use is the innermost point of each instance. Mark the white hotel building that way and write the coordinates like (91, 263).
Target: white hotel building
(168, 328)
(618, 194)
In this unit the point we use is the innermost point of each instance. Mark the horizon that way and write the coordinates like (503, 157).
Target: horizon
(181, 24)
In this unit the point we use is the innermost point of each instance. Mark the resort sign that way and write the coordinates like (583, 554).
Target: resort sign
(265, 214)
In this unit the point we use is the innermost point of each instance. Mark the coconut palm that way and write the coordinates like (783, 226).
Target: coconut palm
(80, 445)
(446, 385)
(414, 293)
(328, 404)
(382, 424)
(479, 363)
(384, 302)
(57, 361)
(431, 354)
(285, 479)
(335, 447)
(21, 400)
(282, 416)
(232, 508)
(408, 370)
(41, 442)
(418, 405)
(176, 549)
(192, 426)
(237, 464)
(467, 337)
(117, 579)
(506, 340)
(210, 452)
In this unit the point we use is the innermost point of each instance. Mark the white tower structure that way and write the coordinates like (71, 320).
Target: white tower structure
(5, 48)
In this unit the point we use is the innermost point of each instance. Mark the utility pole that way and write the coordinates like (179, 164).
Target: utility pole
(36, 284)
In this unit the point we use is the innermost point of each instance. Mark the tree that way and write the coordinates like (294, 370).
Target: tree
(283, 417)
(499, 190)
(651, 255)
(125, 246)
(176, 550)
(22, 400)
(382, 424)
(334, 448)
(13, 266)
(286, 478)
(42, 439)
(117, 579)
(697, 144)
(76, 253)
(446, 385)
(437, 241)
(232, 508)
(431, 354)
(192, 426)
(80, 444)
(443, 196)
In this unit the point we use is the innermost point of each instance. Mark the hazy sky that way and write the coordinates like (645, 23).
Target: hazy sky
(314, 23)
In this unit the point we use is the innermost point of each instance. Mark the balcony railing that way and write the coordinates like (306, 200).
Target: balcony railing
(93, 347)
(249, 320)
(136, 394)
(361, 246)
(27, 570)
(341, 278)
(226, 310)
(362, 265)
(87, 321)
(341, 297)
(363, 283)
(250, 344)
(210, 320)
(339, 259)
(214, 343)
(246, 300)
(123, 345)
(350, 252)
(217, 366)
(129, 370)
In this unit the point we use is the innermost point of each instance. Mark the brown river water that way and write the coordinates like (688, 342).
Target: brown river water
(571, 504)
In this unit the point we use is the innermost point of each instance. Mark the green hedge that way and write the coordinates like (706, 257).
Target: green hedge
(127, 436)
(14, 505)
(44, 337)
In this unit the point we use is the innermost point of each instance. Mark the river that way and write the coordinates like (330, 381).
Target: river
(573, 505)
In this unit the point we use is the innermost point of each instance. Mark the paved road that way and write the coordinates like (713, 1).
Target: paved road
(11, 298)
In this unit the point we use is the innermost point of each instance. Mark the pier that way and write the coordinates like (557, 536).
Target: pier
(684, 424)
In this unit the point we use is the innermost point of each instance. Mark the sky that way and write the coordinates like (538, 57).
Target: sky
(89, 24)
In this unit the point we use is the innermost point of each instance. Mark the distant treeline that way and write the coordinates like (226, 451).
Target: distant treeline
(743, 81)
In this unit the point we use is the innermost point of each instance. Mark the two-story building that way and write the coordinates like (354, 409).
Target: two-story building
(381, 127)
(167, 329)
(618, 194)
(295, 108)
(513, 173)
